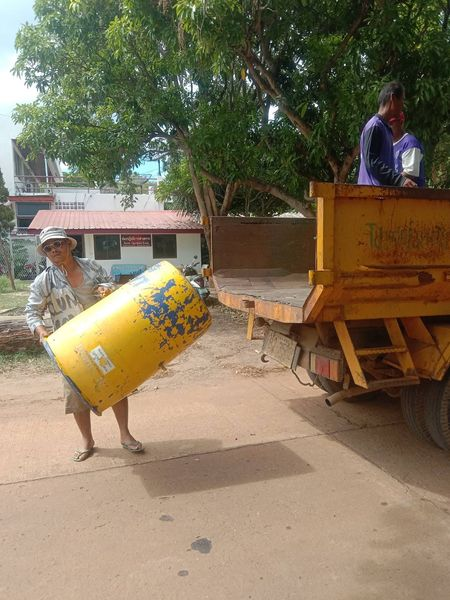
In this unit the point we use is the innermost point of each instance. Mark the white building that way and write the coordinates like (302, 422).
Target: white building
(122, 241)
(125, 243)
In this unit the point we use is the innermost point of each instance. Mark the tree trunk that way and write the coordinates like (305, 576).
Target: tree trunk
(210, 200)
(228, 199)
(347, 165)
(6, 257)
(15, 335)
(200, 198)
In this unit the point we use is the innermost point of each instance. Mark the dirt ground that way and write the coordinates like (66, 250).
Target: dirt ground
(224, 351)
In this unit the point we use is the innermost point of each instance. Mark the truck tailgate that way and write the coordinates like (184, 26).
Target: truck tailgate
(264, 262)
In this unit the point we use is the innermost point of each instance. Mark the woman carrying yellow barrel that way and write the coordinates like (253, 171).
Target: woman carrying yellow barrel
(66, 288)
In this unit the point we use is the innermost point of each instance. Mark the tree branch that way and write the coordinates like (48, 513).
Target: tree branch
(347, 164)
(274, 92)
(228, 198)
(365, 5)
(446, 16)
(212, 178)
(291, 201)
(266, 188)
(213, 200)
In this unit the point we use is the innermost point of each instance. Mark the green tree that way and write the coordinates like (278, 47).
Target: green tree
(322, 63)
(118, 83)
(6, 224)
(440, 175)
(251, 99)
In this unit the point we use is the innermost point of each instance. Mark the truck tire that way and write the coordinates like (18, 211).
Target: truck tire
(328, 385)
(325, 384)
(437, 412)
(413, 400)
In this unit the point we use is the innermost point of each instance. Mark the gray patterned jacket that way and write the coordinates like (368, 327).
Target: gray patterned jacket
(51, 290)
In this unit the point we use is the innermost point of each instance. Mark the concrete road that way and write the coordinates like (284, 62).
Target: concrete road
(250, 488)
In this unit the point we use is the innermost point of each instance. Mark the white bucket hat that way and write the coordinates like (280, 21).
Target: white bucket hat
(53, 233)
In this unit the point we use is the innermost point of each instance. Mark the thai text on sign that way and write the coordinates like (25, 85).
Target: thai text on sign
(136, 239)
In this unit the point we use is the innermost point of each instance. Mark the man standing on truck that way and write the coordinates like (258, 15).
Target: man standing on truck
(408, 151)
(377, 165)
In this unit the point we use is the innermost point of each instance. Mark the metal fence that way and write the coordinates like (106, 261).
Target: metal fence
(19, 258)
(49, 184)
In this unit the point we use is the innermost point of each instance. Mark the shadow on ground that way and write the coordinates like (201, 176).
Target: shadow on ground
(220, 469)
(375, 430)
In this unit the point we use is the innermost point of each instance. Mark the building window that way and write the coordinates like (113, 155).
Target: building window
(164, 246)
(23, 222)
(76, 205)
(30, 209)
(107, 247)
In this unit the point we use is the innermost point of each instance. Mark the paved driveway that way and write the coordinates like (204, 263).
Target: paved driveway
(250, 488)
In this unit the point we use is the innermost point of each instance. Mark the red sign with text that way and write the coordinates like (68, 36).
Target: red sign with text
(136, 239)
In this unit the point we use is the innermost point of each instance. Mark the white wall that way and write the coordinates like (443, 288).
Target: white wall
(188, 246)
(94, 200)
(8, 130)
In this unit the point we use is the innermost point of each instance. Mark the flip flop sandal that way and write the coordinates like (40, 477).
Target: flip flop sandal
(133, 447)
(81, 455)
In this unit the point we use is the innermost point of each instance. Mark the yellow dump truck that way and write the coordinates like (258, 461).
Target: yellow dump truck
(359, 296)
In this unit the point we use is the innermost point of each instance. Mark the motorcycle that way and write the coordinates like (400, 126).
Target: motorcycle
(195, 279)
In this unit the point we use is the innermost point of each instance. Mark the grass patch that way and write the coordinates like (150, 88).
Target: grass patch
(28, 360)
(5, 285)
(9, 298)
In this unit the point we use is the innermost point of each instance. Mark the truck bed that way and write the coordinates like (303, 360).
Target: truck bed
(373, 253)
(264, 261)
(271, 284)
(266, 285)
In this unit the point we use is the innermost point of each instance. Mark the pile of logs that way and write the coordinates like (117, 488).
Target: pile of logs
(15, 335)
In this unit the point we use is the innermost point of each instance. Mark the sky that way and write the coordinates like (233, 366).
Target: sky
(13, 14)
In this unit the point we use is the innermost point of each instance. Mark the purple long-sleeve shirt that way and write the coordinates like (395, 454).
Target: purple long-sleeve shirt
(377, 165)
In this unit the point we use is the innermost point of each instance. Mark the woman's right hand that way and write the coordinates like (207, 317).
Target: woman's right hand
(41, 333)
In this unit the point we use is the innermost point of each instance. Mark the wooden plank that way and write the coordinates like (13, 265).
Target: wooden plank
(273, 286)
(284, 313)
(250, 323)
(263, 243)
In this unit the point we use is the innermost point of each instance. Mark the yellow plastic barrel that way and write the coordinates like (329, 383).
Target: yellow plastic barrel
(111, 348)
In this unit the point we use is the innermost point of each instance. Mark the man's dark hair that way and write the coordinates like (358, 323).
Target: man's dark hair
(393, 88)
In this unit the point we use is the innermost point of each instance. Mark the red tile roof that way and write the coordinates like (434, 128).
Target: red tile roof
(87, 221)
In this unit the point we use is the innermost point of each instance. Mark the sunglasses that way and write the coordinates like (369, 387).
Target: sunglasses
(49, 247)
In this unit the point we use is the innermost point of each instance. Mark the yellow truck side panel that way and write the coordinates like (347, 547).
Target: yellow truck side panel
(385, 252)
